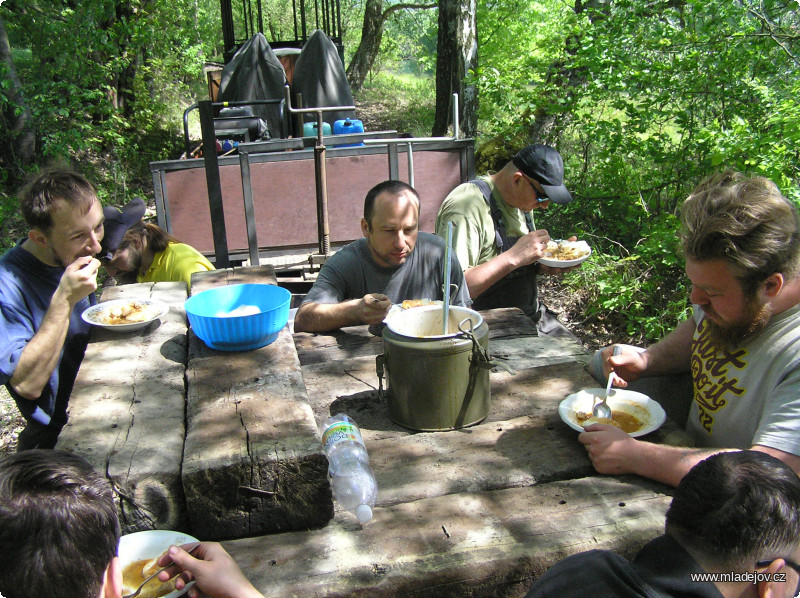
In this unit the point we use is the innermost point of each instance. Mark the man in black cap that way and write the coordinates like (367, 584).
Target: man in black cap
(138, 251)
(117, 223)
(494, 235)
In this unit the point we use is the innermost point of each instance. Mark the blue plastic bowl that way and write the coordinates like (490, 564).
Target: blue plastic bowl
(239, 332)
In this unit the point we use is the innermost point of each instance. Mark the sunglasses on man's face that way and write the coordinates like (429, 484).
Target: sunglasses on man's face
(540, 196)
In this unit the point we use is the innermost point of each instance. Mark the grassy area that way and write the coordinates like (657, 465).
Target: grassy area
(398, 101)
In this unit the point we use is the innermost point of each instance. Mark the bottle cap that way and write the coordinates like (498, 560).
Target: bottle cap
(364, 513)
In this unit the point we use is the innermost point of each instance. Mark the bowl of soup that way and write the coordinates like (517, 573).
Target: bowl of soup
(633, 412)
(138, 553)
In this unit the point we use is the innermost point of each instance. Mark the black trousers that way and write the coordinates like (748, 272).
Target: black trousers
(36, 435)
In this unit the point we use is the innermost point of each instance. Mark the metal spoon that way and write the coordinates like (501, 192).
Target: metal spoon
(139, 589)
(602, 409)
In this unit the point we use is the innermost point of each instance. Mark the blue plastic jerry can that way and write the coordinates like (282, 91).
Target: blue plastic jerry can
(310, 129)
(348, 125)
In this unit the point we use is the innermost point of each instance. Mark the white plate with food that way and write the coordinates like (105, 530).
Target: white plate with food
(138, 553)
(634, 412)
(563, 254)
(125, 314)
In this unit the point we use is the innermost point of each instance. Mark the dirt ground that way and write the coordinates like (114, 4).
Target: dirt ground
(11, 423)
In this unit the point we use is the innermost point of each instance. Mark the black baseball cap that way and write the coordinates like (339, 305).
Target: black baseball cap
(544, 165)
(117, 223)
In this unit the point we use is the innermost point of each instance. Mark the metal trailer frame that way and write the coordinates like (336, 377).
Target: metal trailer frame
(271, 166)
(327, 16)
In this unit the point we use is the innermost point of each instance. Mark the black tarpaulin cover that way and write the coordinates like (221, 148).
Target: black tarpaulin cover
(255, 73)
(319, 76)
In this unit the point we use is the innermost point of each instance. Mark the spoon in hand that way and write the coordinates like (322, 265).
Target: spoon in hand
(139, 589)
(602, 409)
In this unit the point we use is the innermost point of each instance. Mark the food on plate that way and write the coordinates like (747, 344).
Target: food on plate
(242, 310)
(136, 572)
(601, 420)
(409, 303)
(566, 250)
(629, 420)
(130, 312)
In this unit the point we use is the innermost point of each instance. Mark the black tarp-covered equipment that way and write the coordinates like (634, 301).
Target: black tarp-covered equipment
(255, 73)
(319, 76)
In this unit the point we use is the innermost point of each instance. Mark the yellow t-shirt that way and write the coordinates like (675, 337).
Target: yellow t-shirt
(177, 262)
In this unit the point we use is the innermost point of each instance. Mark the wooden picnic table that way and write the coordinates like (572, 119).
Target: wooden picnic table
(127, 410)
(226, 445)
(480, 511)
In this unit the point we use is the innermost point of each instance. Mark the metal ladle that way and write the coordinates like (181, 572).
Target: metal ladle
(602, 409)
(446, 283)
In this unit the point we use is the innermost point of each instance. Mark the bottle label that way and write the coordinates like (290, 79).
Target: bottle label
(338, 432)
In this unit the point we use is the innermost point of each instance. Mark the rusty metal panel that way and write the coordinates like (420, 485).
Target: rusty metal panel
(284, 195)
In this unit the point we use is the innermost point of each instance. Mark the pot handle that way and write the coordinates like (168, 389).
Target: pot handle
(380, 364)
(494, 363)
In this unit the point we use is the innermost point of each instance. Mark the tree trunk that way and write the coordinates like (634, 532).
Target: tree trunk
(16, 112)
(457, 55)
(371, 34)
(546, 126)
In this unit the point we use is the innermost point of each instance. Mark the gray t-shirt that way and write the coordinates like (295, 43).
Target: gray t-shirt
(750, 395)
(351, 273)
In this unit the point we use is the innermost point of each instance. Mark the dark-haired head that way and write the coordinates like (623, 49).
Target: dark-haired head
(58, 526)
(38, 197)
(390, 187)
(735, 509)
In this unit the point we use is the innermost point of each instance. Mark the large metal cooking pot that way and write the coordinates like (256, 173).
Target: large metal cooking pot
(436, 381)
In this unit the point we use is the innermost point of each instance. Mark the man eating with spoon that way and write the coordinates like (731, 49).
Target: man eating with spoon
(59, 534)
(46, 281)
(741, 240)
(392, 263)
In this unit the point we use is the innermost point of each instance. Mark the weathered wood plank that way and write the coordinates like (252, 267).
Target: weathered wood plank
(215, 278)
(508, 454)
(253, 462)
(127, 411)
(490, 543)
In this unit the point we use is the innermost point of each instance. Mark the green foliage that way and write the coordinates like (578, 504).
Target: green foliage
(123, 101)
(644, 100)
(639, 293)
(11, 224)
(405, 98)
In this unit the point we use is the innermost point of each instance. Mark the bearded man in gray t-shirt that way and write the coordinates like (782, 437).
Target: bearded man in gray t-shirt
(394, 262)
(741, 240)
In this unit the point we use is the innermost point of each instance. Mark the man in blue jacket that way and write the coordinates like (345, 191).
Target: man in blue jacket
(46, 281)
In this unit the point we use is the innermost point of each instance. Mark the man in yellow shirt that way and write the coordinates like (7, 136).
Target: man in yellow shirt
(132, 247)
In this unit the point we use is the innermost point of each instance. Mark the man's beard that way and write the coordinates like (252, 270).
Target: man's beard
(730, 335)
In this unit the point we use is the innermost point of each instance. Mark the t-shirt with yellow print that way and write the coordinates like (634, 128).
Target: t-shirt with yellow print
(750, 394)
(177, 262)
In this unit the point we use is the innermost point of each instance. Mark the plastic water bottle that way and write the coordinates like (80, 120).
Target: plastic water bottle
(348, 465)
